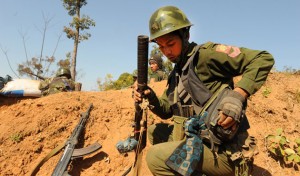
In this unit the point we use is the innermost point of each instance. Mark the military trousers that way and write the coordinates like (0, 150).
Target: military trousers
(160, 135)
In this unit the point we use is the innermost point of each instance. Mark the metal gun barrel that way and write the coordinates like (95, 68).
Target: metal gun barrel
(143, 43)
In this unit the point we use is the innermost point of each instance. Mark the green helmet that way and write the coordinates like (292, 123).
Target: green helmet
(63, 72)
(165, 20)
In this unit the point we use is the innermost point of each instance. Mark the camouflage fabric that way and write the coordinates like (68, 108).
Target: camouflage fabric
(56, 85)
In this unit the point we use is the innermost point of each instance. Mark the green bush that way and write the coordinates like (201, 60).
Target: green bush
(17, 137)
(282, 149)
(266, 92)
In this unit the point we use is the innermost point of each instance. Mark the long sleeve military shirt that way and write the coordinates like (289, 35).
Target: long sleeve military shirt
(158, 75)
(218, 64)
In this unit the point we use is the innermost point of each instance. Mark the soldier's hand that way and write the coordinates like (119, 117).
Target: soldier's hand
(227, 121)
(137, 96)
(231, 108)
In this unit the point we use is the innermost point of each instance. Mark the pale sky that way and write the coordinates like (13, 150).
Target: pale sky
(272, 25)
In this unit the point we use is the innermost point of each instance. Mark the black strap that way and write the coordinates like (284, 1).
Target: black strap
(192, 84)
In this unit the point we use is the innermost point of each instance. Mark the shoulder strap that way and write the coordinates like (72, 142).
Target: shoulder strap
(192, 84)
(192, 57)
(213, 97)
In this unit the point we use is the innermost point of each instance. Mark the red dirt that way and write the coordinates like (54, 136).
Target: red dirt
(46, 122)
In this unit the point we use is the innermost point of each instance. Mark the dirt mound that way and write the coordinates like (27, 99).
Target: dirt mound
(31, 128)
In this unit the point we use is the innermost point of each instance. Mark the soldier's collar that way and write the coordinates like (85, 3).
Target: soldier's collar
(192, 49)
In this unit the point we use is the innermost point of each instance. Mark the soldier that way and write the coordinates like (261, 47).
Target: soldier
(200, 72)
(4, 80)
(156, 65)
(62, 82)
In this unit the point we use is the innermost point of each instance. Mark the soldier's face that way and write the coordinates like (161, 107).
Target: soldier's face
(153, 66)
(170, 45)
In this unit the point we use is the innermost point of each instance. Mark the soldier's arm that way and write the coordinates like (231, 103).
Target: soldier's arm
(44, 84)
(161, 106)
(228, 61)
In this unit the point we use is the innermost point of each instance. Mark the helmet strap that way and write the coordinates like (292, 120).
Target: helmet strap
(185, 36)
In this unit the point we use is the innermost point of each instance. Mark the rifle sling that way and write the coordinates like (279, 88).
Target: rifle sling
(136, 167)
(52, 153)
(77, 153)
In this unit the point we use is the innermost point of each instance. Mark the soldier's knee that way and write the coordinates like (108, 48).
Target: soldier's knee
(151, 158)
(150, 131)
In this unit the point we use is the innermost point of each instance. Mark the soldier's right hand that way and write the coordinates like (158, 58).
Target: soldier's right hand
(137, 96)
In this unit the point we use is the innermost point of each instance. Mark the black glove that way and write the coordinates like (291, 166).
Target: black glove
(232, 105)
(151, 96)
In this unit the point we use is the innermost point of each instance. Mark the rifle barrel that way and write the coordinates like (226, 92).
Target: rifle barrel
(142, 64)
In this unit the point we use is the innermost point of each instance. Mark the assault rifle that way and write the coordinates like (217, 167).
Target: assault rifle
(70, 152)
(65, 159)
(38, 76)
(141, 108)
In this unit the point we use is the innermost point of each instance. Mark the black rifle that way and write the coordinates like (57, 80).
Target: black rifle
(70, 151)
(38, 76)
(141, 108)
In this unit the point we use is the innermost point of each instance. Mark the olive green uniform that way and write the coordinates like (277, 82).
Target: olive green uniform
(56, 85)
(216, 65)
(158, 75)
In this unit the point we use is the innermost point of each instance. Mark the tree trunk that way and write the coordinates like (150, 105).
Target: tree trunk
(73, 64)
(76, 42)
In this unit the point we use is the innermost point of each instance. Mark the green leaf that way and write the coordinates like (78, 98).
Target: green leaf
(287, 160)
(283, 140)
(298, 150)
(277, 139)
(289, 151)
(297, 158)
(279, 131)
(280, 151)
(297, 141)
(272, 150)
(290, 158)
(270, 138)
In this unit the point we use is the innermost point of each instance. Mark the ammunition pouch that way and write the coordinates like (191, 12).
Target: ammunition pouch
(242, 152)
(178, 130)
(180, 117)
